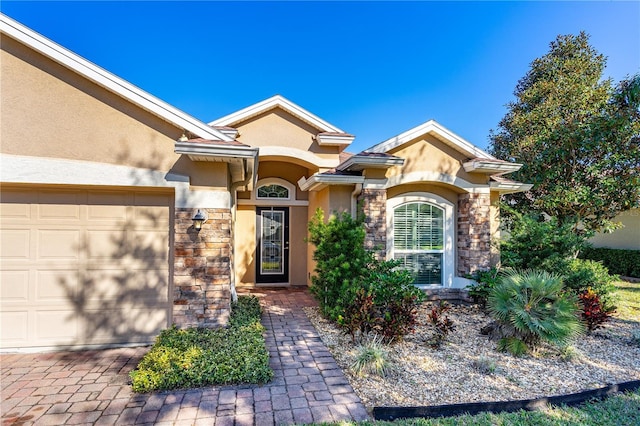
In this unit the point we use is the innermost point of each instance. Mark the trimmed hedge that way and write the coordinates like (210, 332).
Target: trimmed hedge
(197, 357)
(617, 261)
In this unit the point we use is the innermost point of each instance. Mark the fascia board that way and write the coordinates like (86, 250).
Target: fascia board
(212, 150)
(357, 162)
(318, 181)
(272, 102)
(107, 80)
(334, 140)
(510, 188)
(432, 127)
(491, 167)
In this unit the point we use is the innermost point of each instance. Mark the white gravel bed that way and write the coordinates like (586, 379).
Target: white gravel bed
(453, 373)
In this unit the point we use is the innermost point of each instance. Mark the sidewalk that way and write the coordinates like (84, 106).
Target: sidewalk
(90, 387)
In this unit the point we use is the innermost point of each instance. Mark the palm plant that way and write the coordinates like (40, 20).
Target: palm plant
(530, 307)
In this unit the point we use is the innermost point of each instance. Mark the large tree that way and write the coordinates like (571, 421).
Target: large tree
(577, 136)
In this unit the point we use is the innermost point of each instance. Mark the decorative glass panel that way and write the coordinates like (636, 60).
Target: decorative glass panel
(273, 191)
(418, 240)
(271, 260)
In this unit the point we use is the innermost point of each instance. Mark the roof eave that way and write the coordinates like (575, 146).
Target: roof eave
(491, 167)
(319, 181)
(509, 187)
(359, 163)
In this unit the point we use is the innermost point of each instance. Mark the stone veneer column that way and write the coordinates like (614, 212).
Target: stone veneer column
(202, 269)
(373, 203)
(474, 233)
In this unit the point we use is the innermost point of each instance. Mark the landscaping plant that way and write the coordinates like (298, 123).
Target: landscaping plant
(485, 280)
(617, 261)
(196, 357)
(442, 324)
(354, 289)
(594, 313)
(531, 307)
(371, 358)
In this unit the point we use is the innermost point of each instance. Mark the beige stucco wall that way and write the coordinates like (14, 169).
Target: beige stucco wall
(49, 111)
(627, 238)
(429, 154)
(287, 171)
(277, 127)
(443, 191)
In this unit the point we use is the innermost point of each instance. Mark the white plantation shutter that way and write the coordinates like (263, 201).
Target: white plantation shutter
(418, 236)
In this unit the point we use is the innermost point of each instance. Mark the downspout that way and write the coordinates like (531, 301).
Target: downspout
(354, 200)
(234, 198)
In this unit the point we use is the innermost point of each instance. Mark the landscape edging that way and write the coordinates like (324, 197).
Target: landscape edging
(394, 413)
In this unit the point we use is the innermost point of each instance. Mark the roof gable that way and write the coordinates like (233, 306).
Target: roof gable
(109, 81)
(435, 129)
(277, 101)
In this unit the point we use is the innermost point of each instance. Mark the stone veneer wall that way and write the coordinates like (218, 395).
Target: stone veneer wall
(373, 203)
(474, 233)
(202, 269)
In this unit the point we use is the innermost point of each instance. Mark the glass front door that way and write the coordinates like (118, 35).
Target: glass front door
(273, 245)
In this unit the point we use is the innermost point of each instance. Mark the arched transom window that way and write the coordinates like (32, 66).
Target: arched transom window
(418, 240)
(273, 191)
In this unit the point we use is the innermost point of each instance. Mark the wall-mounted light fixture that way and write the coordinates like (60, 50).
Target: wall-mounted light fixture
(198, 219)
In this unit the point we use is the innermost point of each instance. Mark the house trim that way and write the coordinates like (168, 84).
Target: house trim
(271, 103)
(434, 128)
(427, 176)
(19, 169)
(297, 156)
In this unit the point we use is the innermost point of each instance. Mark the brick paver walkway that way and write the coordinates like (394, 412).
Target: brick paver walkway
(90, 387)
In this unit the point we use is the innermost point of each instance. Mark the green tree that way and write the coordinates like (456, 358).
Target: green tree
(577, 136)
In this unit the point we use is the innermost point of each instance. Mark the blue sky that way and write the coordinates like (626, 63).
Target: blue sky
(374, 69)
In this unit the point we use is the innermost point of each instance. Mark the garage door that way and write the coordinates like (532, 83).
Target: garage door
(83, 267)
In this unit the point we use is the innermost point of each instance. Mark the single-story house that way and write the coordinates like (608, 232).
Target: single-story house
(121, 215)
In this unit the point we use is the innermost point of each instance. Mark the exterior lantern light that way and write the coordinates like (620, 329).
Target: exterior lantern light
(198, 219)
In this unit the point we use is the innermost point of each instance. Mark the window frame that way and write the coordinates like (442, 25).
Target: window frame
(448, 232)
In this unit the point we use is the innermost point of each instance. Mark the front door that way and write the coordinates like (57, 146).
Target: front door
(273, 244)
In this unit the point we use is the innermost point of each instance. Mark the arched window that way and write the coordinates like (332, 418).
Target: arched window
(418, 240)
(273, 191)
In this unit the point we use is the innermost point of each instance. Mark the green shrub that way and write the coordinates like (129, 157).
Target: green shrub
(196, 357)
(341, 261)
(536, 242)
(530, 307)
(617, 261)
(485, 281)
(580, 275)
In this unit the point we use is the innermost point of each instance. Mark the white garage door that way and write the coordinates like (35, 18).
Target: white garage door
(83, 267)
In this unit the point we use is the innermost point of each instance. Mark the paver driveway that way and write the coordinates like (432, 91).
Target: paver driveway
(91, 387)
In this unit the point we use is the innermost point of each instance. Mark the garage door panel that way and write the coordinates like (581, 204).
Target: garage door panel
(59, 205)
(106, 245)
(58, 244)
(56, 326)
(14, 286)
(111, 214)
(56, 286)
(125, 286)
(149, 245)
(14, 326)
(130, 325)
(14, 207)
(15, 243)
